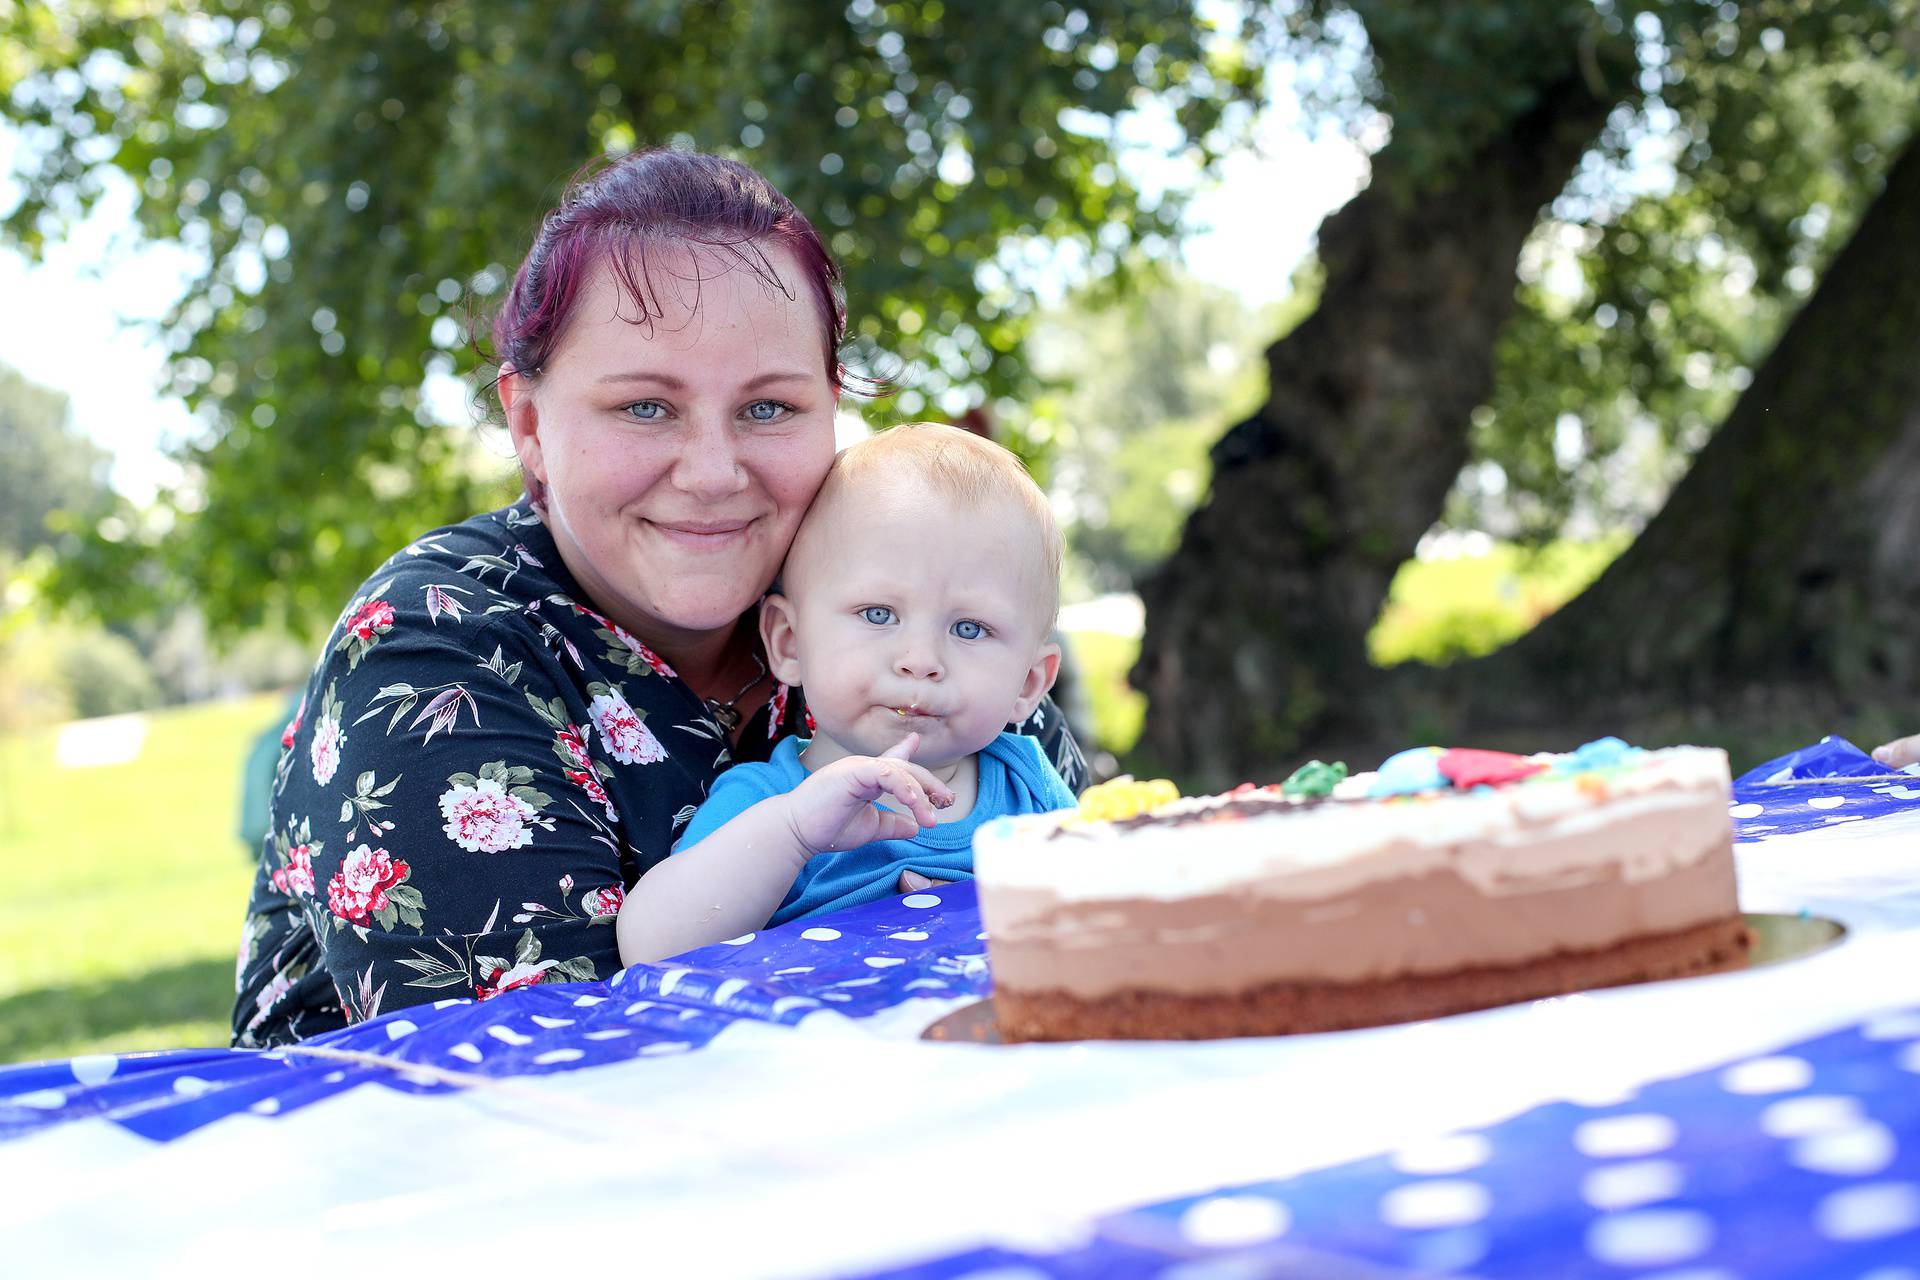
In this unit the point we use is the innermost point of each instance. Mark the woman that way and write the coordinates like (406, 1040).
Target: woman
(515, 716)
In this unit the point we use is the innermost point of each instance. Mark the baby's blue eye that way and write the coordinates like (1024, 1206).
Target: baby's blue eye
(968, 629)
(645, 410)
(878, 614)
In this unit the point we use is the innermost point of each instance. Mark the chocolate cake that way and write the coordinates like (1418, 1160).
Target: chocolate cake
(1445, 881)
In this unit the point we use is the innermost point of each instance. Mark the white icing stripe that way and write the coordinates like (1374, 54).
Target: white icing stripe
(1488, 836)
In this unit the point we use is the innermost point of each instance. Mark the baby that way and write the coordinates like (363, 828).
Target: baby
(914, 606)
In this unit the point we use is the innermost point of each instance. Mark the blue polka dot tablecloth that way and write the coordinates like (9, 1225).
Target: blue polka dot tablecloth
(764, 1107)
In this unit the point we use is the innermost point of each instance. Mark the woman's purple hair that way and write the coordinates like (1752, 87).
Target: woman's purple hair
(617, 207)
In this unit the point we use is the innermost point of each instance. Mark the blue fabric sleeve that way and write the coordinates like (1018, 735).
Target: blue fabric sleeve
(734, 792)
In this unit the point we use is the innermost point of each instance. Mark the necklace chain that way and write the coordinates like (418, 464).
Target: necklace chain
(728, 712)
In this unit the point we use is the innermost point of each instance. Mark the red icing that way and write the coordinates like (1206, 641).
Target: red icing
(1464, 767)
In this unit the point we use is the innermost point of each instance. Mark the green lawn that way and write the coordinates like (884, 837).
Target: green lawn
(124, 887)
(1437, 611)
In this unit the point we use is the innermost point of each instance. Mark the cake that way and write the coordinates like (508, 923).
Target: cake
(1444, 881)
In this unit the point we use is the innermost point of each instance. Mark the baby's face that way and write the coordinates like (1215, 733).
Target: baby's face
(911, 615)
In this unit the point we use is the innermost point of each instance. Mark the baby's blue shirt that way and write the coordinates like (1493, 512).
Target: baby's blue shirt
(1015, 777)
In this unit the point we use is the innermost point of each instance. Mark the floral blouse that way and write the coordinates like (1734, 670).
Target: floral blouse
(481, 765)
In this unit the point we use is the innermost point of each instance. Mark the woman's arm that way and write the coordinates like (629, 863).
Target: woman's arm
(445, 821)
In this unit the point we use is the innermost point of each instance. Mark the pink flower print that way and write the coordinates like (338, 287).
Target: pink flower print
(293, 726)
(360, 887)
(328, 739)
(485, 818)
(603, 902)
(595, 792)
(776, 708)
(503, 980)
(297, 876)
(374, 618)
(625, 733)
(647, 655)
(573, 741)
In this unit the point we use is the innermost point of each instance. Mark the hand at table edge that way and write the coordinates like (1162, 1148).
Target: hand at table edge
(1899, 753)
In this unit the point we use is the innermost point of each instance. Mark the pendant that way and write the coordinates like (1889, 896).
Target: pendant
(728, 718)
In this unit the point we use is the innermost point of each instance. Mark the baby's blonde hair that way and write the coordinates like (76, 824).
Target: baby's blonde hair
(960, 465)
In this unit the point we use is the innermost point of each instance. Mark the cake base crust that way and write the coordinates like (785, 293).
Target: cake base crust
(1290, 1008)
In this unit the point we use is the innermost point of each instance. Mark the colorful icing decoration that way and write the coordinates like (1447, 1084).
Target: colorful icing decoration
(1125, 797)
(1409, 772)
(1466, 767)
(1314, 778)
(1602, 753)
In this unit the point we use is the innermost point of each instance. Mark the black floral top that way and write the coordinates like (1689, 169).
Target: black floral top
(481, 766)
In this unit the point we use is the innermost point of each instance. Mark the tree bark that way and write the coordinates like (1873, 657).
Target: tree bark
(1790, 552)
(1256, 625)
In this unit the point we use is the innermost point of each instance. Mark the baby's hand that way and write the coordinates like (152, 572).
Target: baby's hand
(833, 809)
(1899, 753)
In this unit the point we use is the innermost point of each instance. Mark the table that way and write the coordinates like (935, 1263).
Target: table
(764, 1107)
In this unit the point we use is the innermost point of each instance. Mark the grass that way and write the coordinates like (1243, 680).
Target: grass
(1465, 606)
(124, 887)
(1437, 610)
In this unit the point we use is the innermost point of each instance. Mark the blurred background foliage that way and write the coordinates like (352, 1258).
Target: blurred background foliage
(953, 155)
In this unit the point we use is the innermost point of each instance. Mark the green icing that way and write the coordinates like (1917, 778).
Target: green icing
(1314, 778)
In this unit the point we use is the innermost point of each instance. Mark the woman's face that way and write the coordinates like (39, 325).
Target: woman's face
(678, 457)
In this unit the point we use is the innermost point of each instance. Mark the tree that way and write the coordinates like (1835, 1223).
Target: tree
(1256, 625)
(1138, 384)
(1787, 554)
(360, 177)
(44, 467)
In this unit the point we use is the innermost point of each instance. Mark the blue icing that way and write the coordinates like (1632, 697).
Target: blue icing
(1408, 772)
(1601, 753)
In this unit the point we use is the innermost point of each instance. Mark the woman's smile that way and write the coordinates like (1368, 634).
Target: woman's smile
(704, 535)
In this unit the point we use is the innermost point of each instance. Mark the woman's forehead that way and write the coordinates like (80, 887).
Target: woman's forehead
(675, 300)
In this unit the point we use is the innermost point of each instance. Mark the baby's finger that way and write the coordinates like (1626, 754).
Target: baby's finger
(902, 785)
(937, 791)
(1899, 753)
(903, 749)
(896, 826)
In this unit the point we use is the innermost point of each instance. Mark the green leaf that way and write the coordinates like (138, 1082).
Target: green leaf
(435, 981)
(462, 780)
(538, 799)
(527, 949)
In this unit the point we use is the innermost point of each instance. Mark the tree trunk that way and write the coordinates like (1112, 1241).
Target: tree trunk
(1789, 555)
(1256, 625)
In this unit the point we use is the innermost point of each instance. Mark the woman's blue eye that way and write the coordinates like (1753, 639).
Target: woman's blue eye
(968, 629)
(878, 614)
(645, 410)
(767, 410)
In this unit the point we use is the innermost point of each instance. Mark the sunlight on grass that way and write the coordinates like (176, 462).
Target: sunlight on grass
(125, 886)
(1441, 610)
(1437, 611)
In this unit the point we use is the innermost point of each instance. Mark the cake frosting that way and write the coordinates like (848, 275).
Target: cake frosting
(1400, 878)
